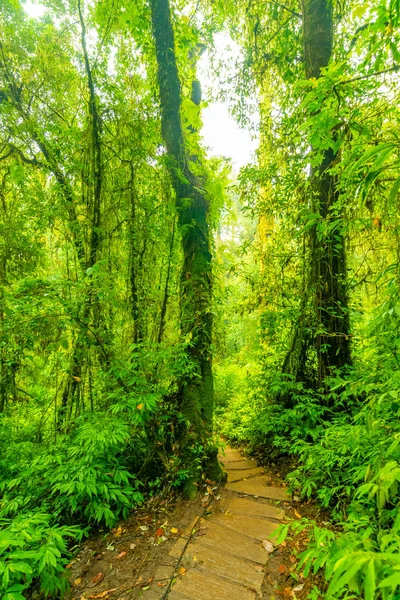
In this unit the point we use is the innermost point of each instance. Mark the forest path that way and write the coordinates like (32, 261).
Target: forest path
(223, 556)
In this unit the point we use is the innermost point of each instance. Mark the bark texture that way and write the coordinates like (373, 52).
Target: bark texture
(197, 392)
(327, 277)
(328, 249)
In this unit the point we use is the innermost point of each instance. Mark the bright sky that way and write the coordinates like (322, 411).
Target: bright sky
(221, 134)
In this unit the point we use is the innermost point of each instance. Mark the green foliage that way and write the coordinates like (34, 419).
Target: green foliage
(31, 549)
(344, 441)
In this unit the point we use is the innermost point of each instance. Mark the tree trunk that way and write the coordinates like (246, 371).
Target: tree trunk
(197, 390)
(327, 245)
(328, 249)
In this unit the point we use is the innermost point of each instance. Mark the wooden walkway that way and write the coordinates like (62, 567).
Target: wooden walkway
(225, 559)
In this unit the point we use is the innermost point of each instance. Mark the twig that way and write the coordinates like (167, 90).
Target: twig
(360, 77)
(292, 12)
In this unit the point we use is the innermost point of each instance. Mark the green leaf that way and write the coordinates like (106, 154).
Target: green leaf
(370, 581)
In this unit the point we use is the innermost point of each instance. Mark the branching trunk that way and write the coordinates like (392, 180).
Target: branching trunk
(97, 171)
(192, 206)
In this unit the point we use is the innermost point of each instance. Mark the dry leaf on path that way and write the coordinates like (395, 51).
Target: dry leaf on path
(159, 532)
(78, 581)
(174, 530)
(119, 531)
(298, 515)
(281, 569)
(97, 578)
(268, 546)
(122, 555)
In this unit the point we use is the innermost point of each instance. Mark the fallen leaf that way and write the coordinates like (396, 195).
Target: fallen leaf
(287, 592)
(298, 515)
(139, 406)
(147, 587)
(259, 568)
(268, 546)
(159, 532)
(298, 588)
(161, 584)
(161, 540)
(182, 571)
(174, 530)
(281, 569)
(143, 527)
(132, 546)
(77, 379)
(118, 532)
(122, 554)
(78, 581)
(97, 578)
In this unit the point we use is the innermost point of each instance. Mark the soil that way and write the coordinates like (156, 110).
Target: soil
(120, 564)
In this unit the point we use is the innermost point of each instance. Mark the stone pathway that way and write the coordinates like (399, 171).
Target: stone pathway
(226, 558)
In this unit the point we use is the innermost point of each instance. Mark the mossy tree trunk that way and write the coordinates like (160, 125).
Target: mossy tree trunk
(197, 390)
(327, 277)
(328, 245)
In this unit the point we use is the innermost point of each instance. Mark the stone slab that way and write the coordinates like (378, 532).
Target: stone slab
(251, 507)
(197, 525)
(239, 464)
(230, 455)
(257, 486)
(216, 559)
(230, 541)
(201, 584)
(174, 595)
(254, 527)
(239, 475)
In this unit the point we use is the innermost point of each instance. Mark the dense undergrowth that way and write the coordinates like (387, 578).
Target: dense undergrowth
(58, 486)
(343, 443)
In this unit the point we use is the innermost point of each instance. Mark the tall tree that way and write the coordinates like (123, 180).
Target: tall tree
(328, 253)
(197, 389)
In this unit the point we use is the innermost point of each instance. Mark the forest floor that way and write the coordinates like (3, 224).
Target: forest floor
(218, 547)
